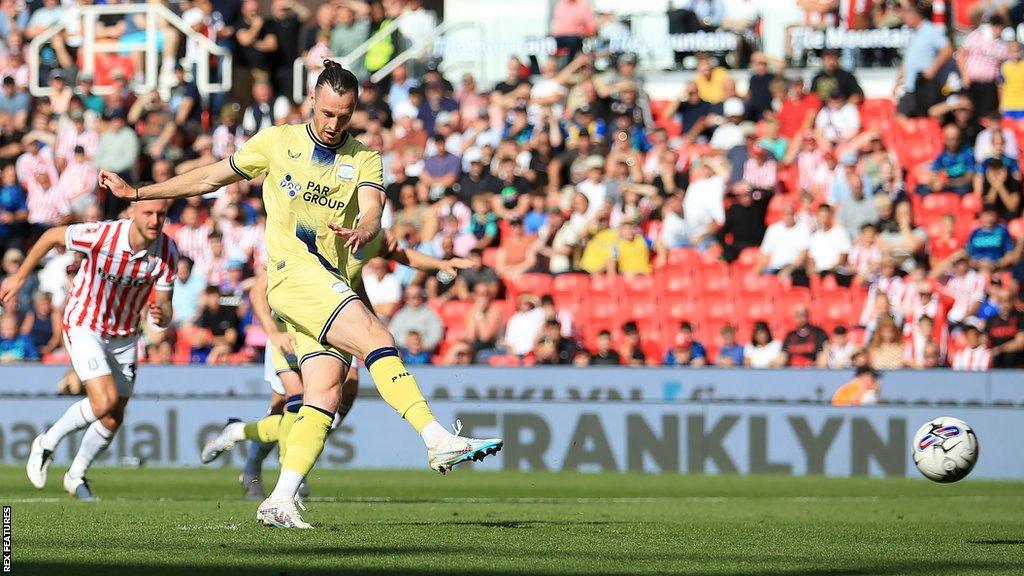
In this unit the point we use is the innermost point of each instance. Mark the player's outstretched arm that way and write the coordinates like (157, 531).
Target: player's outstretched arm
(12, 284)
(421, 261)
(202, 180)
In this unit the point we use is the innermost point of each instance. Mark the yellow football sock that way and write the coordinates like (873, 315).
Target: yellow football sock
(264, 429)
(398, 387)
(283, 431)
(306, 439)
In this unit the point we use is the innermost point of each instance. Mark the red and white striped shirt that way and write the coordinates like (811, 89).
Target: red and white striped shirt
(763, 175)
(985, 53)
(965, 291)
(69, 136)
(28, 165)
(863, 259)
(77, 180)
(972, 358)
(193, 242)
(111, 288)
(46, 204)
(240, 240)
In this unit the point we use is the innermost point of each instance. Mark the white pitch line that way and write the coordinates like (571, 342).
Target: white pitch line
(194, 527)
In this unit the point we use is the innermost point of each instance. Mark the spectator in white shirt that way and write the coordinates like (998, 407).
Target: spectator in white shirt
(703, 203)
(382, 288)
(763, 351)
(838, 121)
(784, 249)
(676, 232)
(830, 246)
(729, 134)
(594, 187)
(416, 316)
(524, 326)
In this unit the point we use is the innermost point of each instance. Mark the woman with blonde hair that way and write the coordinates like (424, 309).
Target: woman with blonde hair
(886, 350)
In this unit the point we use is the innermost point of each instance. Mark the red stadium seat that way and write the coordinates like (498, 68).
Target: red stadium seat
(604, 309)
(721, 309)
(682, 258)
(679, 309)
(571, 285)
(673, 282)
(877, 113)
(971, 204)
(606, 284)
(941, 203)
(1016, 227)
(640, 309)
(536, 284)
(764, 285)
(453, 313)
(748, 257)
(639, 287)
(716, 280)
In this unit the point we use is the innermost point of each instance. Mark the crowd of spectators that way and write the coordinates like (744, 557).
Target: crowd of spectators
(792, 223)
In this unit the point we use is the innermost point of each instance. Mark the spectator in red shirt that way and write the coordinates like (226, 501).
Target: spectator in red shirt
(798, 109)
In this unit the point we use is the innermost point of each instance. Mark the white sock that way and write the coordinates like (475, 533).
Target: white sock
(434, 434)
(287, 485)
(78, 416)
(96, 440)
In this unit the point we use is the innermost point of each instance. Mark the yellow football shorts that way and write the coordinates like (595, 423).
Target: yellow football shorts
(282, 362)
(309, 300)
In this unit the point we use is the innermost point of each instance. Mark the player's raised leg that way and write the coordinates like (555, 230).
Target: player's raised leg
(355, 328)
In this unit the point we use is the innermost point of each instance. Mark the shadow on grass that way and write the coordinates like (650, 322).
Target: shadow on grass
(997, 542)
(916, 567)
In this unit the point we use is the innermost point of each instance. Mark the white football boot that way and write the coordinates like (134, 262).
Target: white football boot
(225, 440)
(39, 460)
(281, 513)
(458, 449)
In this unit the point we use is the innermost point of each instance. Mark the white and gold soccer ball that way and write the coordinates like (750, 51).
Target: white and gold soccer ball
(945, 449)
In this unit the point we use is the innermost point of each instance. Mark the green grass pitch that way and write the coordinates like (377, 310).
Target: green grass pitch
(154, 522)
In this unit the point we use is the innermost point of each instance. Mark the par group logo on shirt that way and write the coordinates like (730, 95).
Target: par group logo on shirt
(346, 172)
(289, 185)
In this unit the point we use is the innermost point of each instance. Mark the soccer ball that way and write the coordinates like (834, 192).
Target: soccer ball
(945, 449)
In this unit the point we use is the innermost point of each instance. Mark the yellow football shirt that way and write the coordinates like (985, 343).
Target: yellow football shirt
(308, 185)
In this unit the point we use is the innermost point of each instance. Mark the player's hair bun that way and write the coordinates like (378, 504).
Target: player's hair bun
(338, 78)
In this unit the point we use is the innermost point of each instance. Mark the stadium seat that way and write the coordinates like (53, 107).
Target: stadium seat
(606, 284)
(536, 284)
(687, 308)
(971, 204)
(941, 203)
(720, 309)
(675, 282)
(571, 286)
(1016, 227)
(682, 259)
(453, 313)
(604, 309)
(639, 287)
(637, 309)
(877, 113)
(716, 280)
(765, 285)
